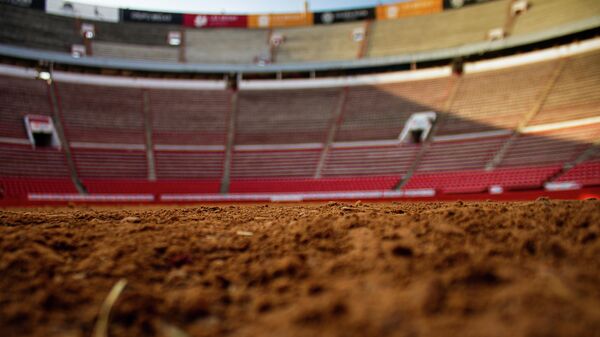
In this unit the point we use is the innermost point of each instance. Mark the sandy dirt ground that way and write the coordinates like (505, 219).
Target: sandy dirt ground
(337, 269)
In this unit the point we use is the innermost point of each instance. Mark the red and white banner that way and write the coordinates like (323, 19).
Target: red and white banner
(214, 21)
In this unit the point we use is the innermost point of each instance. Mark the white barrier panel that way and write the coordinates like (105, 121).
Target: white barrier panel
(138, 82)
(269, 147)
(532, 57)
(561, 125)
(85, 11)
(333, 82)
(473, 135)
(91, 197)
(215, 197)
(366, 143)
(15, 71)
(496, 189)
(424, 192)
(297, 197)
(343, 195)
(562, 186)
(189, 147)
(398, 194)
(286, 198)
(11, 140)
(273, 197)
(107, 146)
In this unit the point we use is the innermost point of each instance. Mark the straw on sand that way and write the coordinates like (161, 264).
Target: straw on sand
(101, 328)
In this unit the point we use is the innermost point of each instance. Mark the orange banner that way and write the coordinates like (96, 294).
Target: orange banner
(280, 20)
(410, 8)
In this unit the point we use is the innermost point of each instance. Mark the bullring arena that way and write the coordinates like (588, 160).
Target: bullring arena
(331, 269)
(328, 269)
(416, 168)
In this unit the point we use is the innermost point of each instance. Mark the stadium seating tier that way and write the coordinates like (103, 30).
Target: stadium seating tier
(371, 160)
(285, 116)
(280, 142)
(318, 43)
(189, 164)
(548, 14)
(497, 99)
(226, 45)
(138, 52)
(436, 31)
(478, 181)
(36, 29)
(101, 114)
(290, 185)
(189, 117)
(379, 112)
(20, 97)
(466, 154)
(575, 93)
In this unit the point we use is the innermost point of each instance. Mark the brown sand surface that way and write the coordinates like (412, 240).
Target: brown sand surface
(336, 269)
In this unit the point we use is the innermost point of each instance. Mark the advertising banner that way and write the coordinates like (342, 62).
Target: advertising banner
(129, 15)
(280, 20)
(410, 8)
(344, 16)
(34, 4)
(453, 4)
(66, 8)
(214, 21)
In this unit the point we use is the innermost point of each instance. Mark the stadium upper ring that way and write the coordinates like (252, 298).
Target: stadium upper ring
(404, 33)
